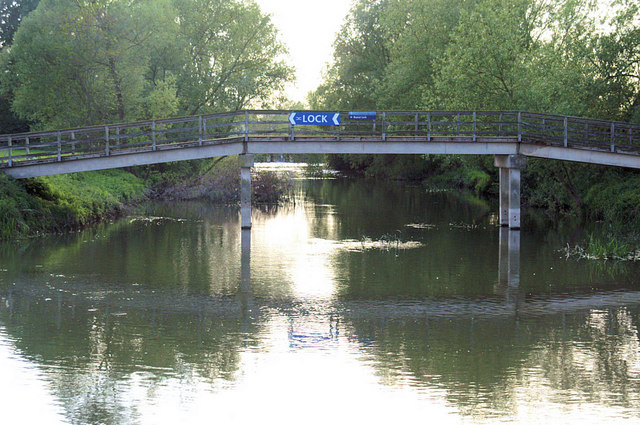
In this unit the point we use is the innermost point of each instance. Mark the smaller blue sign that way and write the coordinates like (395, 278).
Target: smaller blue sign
(362, 115)
(314, 118)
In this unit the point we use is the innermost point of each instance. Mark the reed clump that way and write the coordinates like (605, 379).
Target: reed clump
(608, 247)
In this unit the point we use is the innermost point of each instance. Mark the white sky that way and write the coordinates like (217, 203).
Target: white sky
(308, 28)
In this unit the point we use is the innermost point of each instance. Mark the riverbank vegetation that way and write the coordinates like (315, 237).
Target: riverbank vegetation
(220, 183)
(573, 57)
(68, 64)
(63, 203)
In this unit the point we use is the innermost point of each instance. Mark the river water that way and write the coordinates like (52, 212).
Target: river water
(354, 302)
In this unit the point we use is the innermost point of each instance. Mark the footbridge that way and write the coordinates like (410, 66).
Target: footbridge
(509, 136)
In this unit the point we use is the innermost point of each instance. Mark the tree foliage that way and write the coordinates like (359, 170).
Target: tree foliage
(11, 14)
(575, 57)
(76, 62)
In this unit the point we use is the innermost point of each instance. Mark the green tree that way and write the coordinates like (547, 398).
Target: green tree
(361, 56)
(11, 14)
(77, 63)
(616, 58)
(87, 62)
(234, 58)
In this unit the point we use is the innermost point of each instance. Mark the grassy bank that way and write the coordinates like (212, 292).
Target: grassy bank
(62, 203)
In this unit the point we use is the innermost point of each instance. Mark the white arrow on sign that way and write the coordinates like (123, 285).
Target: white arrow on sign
(292, 118)
(336, 117)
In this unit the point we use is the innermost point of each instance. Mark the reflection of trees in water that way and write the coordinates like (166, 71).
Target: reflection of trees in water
(485, 364)
(366, 207)
(96, 346)
(195, 254)
(597, 357)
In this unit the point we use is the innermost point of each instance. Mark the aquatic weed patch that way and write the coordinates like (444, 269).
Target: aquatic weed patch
(607, 248)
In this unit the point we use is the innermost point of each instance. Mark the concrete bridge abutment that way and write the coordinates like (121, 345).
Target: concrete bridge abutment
(510, 167)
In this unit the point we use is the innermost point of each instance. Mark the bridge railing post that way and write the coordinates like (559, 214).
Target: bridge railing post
(153, 135)
(519, 126)
(59, 146)
(200, 130)
(292, 134)
(429, 126)
(384, 122)
(106, 140)
(246, 126)
(475, 138)
(26, 144)
(566, 132)
(586, 133)
(9, 144)
(613, 137)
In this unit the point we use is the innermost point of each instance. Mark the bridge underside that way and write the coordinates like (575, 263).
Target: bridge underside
(320, 145)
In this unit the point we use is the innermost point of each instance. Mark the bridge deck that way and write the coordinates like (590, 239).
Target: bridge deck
(429, 132)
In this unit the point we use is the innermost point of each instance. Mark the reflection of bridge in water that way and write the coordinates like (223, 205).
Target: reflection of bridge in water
(509, 136)
(509, 299)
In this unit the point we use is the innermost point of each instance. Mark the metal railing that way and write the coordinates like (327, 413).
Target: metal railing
(256, 125)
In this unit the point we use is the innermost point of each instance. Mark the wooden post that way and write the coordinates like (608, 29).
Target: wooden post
(26, 144)
(566, 132)
(59, 146)
(200, 130)
(428, 126)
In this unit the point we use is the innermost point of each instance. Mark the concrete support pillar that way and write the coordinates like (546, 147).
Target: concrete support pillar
(504, 196)
(514, 198)
(245, 259)
(509, 257)
(509, 268)
(246, 163)
(510, 166)
(245, 292)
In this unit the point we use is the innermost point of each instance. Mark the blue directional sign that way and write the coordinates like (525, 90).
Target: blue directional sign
(314, 118)
(362, 115)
